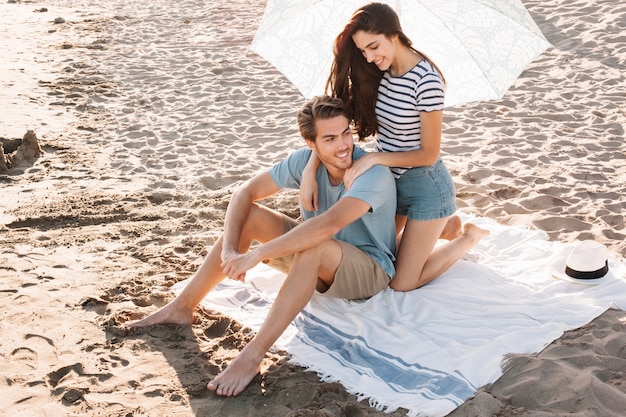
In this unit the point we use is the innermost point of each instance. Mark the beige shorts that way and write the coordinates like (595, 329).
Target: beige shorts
(359, 276)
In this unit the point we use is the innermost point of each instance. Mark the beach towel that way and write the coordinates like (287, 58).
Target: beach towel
(430, 349)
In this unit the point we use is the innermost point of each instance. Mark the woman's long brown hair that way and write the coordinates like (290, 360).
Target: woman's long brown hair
(352, 78)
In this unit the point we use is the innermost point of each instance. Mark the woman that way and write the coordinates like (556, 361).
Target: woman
(395, 92)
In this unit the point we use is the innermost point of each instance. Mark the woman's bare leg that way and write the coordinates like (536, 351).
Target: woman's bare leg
(419, 262)
(451, 230)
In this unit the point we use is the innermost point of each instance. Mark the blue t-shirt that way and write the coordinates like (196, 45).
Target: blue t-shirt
(374, 232)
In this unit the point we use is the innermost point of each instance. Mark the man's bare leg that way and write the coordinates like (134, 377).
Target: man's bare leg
(295, 293)
(263, 224)
(180, 309)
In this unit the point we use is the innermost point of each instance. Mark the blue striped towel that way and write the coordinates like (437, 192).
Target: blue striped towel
(429, 350)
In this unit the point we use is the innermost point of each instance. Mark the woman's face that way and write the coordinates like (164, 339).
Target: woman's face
(377, 49)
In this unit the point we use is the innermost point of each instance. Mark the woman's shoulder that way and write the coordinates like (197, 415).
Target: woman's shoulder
(423, 69)
(426, 77)
(422, 72)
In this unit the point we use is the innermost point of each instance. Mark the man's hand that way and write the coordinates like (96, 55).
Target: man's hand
(228, 253)
(236, 266)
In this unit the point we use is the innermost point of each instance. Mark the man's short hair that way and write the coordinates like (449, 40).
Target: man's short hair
(319, 107)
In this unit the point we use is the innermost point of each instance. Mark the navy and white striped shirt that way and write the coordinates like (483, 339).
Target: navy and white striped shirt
(400, 101)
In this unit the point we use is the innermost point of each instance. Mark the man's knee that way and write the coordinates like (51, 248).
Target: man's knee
(324, 258)
(310, 256)
(262, 224)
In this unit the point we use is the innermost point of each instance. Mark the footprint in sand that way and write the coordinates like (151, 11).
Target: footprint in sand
(26, 365)
(67, 376)
(23, 357)
(36, 350)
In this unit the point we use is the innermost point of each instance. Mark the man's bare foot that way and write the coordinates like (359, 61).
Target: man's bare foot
(237, 375)
(452, 230)
(169, 314)
(474, 232)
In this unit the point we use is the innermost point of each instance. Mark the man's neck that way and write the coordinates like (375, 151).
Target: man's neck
(335, 176)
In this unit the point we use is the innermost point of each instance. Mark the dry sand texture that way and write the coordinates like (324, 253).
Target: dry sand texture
(150, 113)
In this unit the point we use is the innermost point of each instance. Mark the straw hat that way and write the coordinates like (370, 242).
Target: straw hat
(586, 263)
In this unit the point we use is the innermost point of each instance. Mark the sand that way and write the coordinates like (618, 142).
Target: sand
(149, 114)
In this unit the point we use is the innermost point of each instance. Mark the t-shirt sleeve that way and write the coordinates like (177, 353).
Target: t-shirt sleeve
(373, 187)
(288, 172)
(430, 93)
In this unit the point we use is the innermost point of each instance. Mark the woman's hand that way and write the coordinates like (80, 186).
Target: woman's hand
(308, 193)
(308, 185)
(359, 167)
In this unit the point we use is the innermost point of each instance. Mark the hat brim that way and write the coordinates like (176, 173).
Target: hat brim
(556, 267)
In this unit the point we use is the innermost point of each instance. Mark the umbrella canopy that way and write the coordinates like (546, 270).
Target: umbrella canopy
(481, 46)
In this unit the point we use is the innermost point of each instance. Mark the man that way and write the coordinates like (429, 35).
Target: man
(345, 249)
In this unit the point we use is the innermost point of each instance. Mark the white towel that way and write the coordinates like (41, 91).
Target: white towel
(429, 350)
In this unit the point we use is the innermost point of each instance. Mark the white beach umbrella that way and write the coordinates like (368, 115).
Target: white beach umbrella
(481, 46)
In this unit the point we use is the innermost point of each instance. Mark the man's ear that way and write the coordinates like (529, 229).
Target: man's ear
(310, 144)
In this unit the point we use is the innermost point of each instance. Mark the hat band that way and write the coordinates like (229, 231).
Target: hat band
(588, 274)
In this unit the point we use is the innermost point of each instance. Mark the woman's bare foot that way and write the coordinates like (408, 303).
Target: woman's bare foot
(168, 314)
(474, 232)
(237, 375)
(452, 229)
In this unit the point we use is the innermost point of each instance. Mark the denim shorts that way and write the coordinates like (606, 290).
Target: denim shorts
(426, 193)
